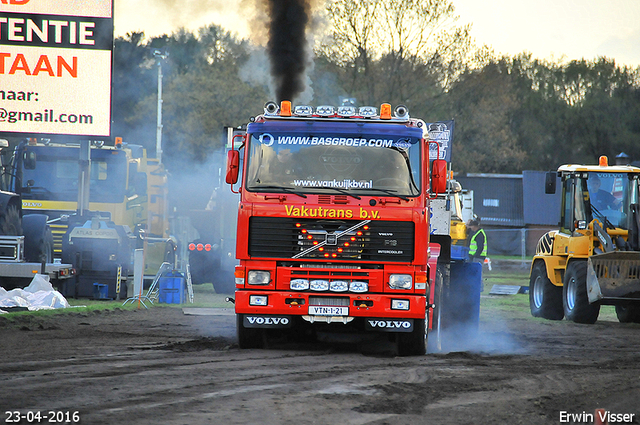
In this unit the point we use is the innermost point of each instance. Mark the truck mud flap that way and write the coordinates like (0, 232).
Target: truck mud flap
(388, 325)
(266, 322)
(614, 276)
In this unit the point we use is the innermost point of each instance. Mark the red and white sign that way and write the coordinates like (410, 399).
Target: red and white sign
(55, 66)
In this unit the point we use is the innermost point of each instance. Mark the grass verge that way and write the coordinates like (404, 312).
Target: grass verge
(515, 306)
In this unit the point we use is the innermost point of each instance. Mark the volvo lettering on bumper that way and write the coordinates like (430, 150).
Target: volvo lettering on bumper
(387, 325)
(254, 321)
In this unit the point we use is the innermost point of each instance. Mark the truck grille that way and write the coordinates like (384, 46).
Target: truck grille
(330, 301)
(271, 237)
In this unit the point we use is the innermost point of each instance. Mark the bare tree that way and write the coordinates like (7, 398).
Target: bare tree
(382, 46)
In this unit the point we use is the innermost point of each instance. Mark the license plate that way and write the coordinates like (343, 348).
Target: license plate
(315, 310)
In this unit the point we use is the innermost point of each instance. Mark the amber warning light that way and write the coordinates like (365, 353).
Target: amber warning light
(285, 108)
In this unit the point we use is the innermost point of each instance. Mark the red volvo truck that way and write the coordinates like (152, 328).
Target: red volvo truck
(333, 225)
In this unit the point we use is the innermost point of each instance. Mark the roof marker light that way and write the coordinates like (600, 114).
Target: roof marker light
(604, 161)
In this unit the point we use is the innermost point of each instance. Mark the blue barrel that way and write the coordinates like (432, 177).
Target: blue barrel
(100, 291)
(171, 289)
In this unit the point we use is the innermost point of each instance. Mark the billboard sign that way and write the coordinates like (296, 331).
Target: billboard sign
(55, 66)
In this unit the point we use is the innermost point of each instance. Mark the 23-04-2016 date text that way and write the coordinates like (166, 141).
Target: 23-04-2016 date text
(44, 416)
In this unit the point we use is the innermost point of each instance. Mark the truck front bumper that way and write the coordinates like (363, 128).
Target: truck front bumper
(378, 312)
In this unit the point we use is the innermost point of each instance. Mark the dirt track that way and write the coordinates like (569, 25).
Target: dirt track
(162, 366)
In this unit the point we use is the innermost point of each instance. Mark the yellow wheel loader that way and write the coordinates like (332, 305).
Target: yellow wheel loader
(594, 258)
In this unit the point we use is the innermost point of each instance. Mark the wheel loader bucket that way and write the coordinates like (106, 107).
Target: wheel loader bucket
(614, 276)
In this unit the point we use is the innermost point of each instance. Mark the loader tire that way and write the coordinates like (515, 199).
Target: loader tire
(545, 298)
(628, 313)
(574, 295)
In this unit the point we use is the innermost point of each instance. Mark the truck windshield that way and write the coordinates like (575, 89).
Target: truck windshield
(386, 165)
(609, 197)
(55, 176)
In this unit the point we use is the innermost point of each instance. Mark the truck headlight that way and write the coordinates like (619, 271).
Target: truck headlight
(400, 281)
(299, 284)
(258, 277)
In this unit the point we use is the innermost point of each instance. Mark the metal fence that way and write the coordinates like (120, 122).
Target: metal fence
(514, 242)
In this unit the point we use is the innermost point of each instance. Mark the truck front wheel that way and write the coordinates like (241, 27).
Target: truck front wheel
(545, 299)
(574, 295)
(414, 343)
(248, 337)
(435, 333)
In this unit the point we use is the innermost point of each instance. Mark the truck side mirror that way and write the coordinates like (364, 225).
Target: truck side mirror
(233, 163)
(439, 176)
(550, 183)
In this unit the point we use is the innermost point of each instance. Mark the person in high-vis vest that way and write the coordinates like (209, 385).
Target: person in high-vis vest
(477, 243)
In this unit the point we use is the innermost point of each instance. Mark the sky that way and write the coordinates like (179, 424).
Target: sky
(548, 29)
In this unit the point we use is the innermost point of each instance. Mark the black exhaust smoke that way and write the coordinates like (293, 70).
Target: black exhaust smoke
(287, 43)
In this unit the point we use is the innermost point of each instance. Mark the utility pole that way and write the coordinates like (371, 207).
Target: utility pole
(160, 56)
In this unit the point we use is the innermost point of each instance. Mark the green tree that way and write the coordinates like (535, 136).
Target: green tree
(133, 80)
(202, 92)
(482, 102)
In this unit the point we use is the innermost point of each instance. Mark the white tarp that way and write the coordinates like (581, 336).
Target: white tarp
(39, 295)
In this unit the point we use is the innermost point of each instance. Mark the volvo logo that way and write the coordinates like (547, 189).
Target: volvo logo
(390, 325)
(402, 144)
(340, 159)
(266, 321)
(266, 139)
